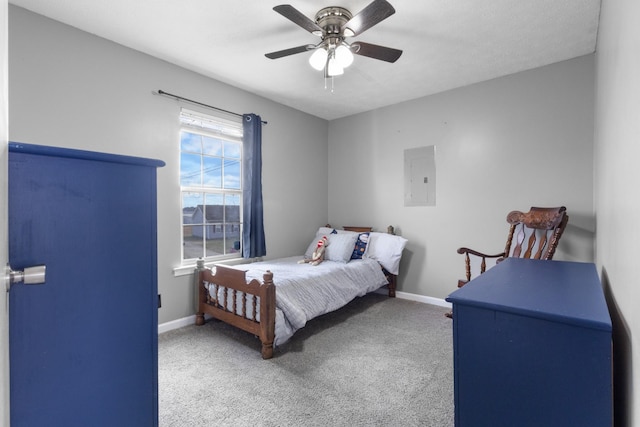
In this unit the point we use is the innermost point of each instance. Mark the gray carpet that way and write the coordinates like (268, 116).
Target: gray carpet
(378, 361)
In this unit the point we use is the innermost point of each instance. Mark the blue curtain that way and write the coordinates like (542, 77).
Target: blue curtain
(253, 244)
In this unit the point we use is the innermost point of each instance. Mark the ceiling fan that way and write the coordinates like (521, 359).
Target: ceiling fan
(334, 25)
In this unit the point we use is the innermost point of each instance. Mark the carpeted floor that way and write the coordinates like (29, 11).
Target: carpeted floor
(378, 361)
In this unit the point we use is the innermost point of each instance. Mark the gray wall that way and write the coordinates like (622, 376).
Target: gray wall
(71, 89)
(617, 203)
(510, 143)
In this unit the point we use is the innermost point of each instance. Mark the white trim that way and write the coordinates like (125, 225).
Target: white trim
(190, 320)
(187, 269)
(424, 299)
(183, 270)
(176, 324)
(212, 124)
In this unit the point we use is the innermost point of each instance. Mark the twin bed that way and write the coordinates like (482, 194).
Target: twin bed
(357, 261)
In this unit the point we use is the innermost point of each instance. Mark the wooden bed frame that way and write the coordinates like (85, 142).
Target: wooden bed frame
(235, 289)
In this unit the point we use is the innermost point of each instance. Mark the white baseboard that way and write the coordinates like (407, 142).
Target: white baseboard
(190, 320)
(176, 324)
(424, 299)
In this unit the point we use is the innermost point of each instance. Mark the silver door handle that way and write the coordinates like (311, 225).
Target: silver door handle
(29, 276)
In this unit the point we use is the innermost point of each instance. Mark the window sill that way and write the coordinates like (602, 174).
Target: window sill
(187, 269)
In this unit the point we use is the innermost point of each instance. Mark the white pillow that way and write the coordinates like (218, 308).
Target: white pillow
(322, 231)
(340, 246)
(314, 244)
(325, 231)
(386, 249)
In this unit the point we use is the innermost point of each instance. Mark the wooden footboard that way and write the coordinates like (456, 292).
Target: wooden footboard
(248, 306)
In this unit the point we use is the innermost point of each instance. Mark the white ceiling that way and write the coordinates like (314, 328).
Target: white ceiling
(446, 43)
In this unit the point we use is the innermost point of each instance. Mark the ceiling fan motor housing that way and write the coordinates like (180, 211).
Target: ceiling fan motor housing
(331, 19)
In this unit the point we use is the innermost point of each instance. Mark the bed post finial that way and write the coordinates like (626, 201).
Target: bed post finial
(200, 291)
(267, 315)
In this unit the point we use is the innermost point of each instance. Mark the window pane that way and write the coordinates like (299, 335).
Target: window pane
(232, 150)
(215, 206)
(212, 172)
(214, 199)
(233, 200)
(233, 229)
(232, 174)
(190, 203)
(214, 213)
(190, 170)
(190, 142)
(192, 242)
(233, 237)
(213, 225)
(211, 146)
(215, 240)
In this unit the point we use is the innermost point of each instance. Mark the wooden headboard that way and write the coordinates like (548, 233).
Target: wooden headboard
(357, 229)
(390, 229)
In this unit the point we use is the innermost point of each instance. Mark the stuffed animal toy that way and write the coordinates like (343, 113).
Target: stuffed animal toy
(318, 255)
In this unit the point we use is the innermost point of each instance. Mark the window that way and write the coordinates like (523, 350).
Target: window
(211, 186)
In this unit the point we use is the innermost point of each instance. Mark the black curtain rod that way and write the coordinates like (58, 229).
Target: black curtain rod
(161, 92)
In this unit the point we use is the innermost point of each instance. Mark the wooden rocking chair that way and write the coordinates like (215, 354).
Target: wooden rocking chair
(534, 234)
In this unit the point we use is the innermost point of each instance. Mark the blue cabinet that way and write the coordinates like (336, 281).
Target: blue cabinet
(532, 347)
(83, 345)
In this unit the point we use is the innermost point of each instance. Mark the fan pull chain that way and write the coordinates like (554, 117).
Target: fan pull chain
(325, 83)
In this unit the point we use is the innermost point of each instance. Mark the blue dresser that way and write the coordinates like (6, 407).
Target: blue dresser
(532, 347)
(83, 345)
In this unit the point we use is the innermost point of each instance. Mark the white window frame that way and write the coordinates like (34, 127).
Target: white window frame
(220, 128)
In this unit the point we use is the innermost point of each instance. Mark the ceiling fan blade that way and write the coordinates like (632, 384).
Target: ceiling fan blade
(376, 52)
(295, 16)
(290, 51)
(374, 13)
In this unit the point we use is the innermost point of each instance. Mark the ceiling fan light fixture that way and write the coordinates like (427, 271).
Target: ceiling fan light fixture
(344, 56)
(318, 59)
(334, 68)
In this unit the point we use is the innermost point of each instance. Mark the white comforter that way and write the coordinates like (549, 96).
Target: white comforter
(304, 291)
